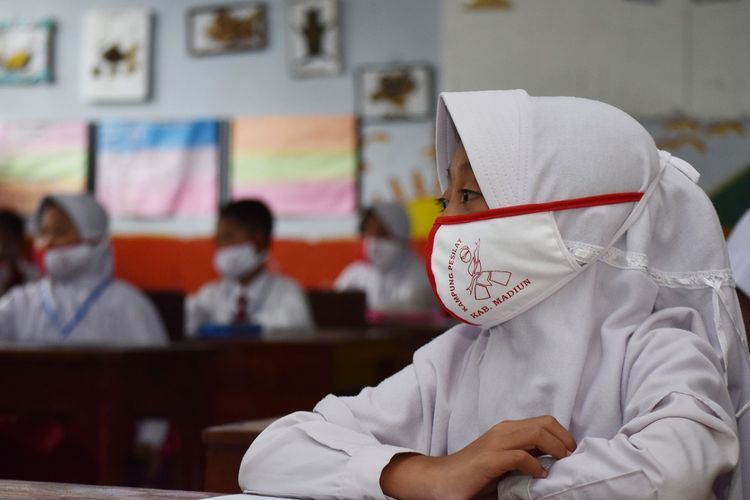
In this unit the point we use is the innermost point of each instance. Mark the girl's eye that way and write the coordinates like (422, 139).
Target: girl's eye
(468, 195)
(442, 203)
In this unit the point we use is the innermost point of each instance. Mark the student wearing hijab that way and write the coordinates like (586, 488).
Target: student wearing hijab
(14, 268)
(247, 292)
(739, 255)
(392, 277)
(79, 300)
(601, 354)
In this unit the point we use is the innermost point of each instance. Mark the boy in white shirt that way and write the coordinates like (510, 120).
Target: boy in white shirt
(247, 294)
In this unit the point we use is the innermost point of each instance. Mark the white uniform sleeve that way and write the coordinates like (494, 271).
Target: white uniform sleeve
(197, 310)
(7, 321)
(144, 326)
(290, 309)
(350, 278)
(340, 449)
(674, 443)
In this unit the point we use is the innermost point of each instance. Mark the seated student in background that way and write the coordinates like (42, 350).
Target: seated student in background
(738, 245)
(79, 300)
(247, 293)
(14, 268)
(392, 277)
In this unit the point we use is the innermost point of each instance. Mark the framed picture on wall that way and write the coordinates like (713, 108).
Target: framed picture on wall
(221, 29)
(26, 52)
(402, 91)
(313, 42)
(116, 55)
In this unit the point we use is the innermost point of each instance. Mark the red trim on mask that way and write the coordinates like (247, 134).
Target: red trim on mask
(552, 206)
(431, 277)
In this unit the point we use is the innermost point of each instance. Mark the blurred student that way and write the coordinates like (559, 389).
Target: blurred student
(392, 277)
(247, 293)
(14, 268)
(79, 300)
(738, 246)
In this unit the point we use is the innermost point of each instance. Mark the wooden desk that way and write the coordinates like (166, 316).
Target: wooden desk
(195, 384)
(49, 491)
(105, 390)
(225, 446)
(263, 378)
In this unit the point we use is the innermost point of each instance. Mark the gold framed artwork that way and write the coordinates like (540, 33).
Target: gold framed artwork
(222, 29)
(396, 91)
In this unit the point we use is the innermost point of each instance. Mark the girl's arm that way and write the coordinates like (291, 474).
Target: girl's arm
(679, 434)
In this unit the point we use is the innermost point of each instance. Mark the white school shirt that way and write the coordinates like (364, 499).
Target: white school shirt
(121, 315)
(401, 287)
(274, 302)
(651, 415)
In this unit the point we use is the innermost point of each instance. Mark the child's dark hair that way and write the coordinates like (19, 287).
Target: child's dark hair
(11, 223)
(253, 215)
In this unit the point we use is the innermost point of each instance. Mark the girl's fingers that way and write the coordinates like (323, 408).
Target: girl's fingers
(518, 460)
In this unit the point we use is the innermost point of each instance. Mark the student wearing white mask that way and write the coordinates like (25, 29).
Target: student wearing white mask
(601, 355)
(247, 292)
(79, 300)
(392, 277)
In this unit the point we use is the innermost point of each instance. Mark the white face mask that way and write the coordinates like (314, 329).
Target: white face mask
(382, 252)
(488, 267)
(237, 260)
(67, 262)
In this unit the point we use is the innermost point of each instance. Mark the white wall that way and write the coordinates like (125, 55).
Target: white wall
(651, 58)
(249, 83)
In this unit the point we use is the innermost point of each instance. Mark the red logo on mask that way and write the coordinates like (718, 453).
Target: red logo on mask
(481, 281)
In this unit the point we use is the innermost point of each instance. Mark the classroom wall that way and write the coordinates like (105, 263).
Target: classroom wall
(248, 83)
(649, 57)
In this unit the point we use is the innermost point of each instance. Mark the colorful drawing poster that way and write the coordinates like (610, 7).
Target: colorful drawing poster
(298, 165)
(157, 170)
(38, 158)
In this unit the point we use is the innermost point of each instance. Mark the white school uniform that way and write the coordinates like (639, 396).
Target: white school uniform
(274, 302)
(641, 357)
(96, 308)
(402, 285)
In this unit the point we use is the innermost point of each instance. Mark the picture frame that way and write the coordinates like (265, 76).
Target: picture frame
(395, 92)
(227, 28)
(313, 38)
(116, 54)
(26, 52)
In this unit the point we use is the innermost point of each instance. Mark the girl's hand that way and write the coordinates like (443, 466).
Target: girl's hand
(508, 446)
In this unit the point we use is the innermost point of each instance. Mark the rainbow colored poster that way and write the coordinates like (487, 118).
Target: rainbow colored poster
(159, 169)
(37, 158)
(299, 165)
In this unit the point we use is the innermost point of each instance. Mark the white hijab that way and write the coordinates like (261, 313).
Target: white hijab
(526, 149)
(92, 223)
(395, 219)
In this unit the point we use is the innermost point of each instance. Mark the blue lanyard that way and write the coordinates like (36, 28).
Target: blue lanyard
(67, 328)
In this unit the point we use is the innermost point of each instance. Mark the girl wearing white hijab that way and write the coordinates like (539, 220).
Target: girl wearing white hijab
(601, 357)
(392, 277)
(79, 300)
